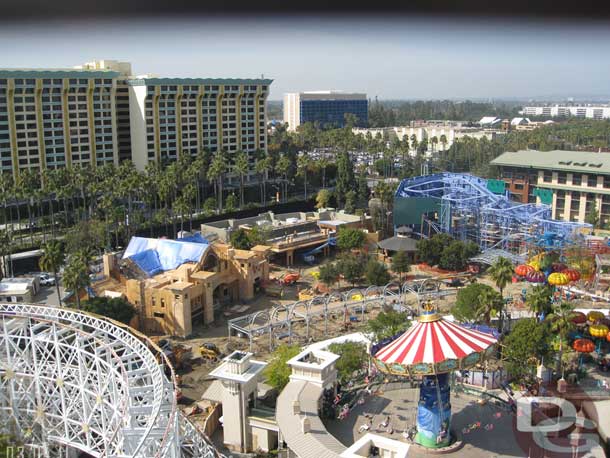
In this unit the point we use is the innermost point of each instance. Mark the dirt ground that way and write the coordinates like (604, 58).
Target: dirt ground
(195, 379)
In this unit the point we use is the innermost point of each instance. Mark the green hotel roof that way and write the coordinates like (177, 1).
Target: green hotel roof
(55, 73)
(194, 81)
(558, 160)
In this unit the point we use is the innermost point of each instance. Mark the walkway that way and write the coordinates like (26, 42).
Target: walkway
(317, 443)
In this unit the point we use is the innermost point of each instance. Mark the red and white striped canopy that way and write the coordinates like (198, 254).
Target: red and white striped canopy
(433, 342)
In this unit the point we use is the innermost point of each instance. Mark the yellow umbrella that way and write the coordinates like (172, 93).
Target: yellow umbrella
(558, 278)
(598, 330)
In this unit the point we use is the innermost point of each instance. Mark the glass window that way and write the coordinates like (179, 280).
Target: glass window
(592, 181)
(576, 179)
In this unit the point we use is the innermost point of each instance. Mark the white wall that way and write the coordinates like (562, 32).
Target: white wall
(137, 119)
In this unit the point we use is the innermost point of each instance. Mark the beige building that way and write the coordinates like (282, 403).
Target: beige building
(20, 289)
(99, 112)
(53, 118)
(576, 182)
(424, 132)
(170, 300)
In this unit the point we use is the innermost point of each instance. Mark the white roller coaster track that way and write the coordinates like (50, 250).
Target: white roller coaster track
(89, 383)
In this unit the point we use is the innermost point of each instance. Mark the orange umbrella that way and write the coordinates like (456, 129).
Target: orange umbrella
(583, 346)
(523, 269)
(572, 274)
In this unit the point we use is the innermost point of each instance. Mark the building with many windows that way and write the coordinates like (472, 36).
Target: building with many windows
(328, 108)
(574, 182)
(172, 116)
(100, 113)
(51, 118)
(560, 111)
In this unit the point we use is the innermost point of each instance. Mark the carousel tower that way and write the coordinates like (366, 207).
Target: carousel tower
(433, 348)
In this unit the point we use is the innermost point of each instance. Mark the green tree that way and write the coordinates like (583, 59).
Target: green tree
(76, 275)
(350, 202)
(452, 257)
(363, 192)
(349, 238)
(241, 168)
(401, 263)
(209, 205)
(476, 302)
(329, 274)
(387, 324)
(323, 198)
(525, 346)
(353, 357)
(539, 299)
(351, 267)
(282, 167)
(430, 250)
(377, 273)
(259, 235)
(277, 371)
(51, 261)
(345, 177)
(303, 166)
(592, 216)
(501, 272)
(86, 236)
(216, 172)
(231, 203)
(239, 240)
(561, 323)
(114, 308)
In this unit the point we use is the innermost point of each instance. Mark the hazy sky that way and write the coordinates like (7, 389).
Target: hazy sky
(388, 58)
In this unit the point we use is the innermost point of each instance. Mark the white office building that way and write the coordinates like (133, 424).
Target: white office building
(577, 111)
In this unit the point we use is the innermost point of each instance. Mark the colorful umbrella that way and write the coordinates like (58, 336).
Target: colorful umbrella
(595, 315)
(583, 346)
(523, 269)
(598, 330)
(534, 264)
(559, 267)
(558, 279)
(578, 318)
(572, 274)
(535, 277)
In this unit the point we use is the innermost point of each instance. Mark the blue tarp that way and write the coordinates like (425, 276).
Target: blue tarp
(158, 255)
(195, 238)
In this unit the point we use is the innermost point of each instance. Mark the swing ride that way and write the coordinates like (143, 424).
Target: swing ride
(432, 349)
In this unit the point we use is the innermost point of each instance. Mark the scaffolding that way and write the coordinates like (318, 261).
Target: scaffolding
(467, 209)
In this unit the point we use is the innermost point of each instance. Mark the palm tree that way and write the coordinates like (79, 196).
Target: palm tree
(489, 302)
(262, 168)
(5, 253)
(501, 272)
(443, 140)
(51, 261)
(283, 167)
(218, 168)
(241, 167)
(76, 275)
(539, 299)
(303, 164)
(434, 142)
(414, 142)
(561, 322)
(323, 163)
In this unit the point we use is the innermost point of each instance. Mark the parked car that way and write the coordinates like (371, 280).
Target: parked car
(47, 280)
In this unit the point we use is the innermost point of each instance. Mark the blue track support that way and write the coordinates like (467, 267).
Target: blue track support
(470, 211)
(332, 241)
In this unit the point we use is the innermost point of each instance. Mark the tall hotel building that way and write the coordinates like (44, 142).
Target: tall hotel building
(170, 117)
(99, 113)
(328, 108)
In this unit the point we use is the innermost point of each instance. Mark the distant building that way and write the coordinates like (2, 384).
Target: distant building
(559, 111)
(328, 108)
(573, 182)
(489, 121)
(290, 234)
(446, 133)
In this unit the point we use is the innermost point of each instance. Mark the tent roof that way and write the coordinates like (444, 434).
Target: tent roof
(398, 243)
(433, 342)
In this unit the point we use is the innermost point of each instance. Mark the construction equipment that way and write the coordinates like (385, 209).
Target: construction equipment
(210, 352)
(289, 278)
(306, 294)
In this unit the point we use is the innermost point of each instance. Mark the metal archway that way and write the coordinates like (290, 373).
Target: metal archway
(77, 380)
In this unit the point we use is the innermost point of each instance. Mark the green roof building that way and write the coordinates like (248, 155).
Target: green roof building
(575, 183)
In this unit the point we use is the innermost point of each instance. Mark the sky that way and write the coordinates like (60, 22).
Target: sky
(385, 57)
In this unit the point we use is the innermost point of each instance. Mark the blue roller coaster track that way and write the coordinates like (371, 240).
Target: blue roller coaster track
(470, 211)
